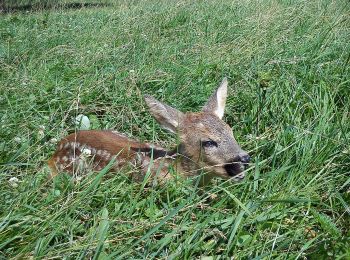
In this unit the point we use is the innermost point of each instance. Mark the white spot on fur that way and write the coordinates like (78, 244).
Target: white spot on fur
(64, 158)
(75, 144)
(66, 145)
(61, 147)
(99, 152)
(106, 155)
(86, 152)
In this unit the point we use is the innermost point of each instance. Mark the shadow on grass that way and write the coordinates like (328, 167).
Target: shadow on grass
(37, 7)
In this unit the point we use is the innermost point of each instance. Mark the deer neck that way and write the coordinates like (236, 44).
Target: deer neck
(189, 167)
(164, 165)
(179, 160)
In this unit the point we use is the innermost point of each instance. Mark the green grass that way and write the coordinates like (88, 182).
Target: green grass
(288, 67)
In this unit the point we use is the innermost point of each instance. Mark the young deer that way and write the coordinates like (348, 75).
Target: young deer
(206, 144)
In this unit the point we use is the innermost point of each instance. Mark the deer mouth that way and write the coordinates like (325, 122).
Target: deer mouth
(235, 170)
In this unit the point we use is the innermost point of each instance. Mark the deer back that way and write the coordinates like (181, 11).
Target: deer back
(93, 150)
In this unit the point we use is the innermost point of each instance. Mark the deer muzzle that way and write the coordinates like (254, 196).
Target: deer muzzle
(235, 168)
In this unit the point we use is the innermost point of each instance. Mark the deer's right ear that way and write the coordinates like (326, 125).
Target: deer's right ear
(168, 117)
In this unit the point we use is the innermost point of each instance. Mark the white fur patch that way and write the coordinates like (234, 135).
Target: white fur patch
(75, 144)
(86, 151)
(99, 152)
(221, 95)
(106, 155)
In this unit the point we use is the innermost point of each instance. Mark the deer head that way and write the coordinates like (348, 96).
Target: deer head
(206, 141)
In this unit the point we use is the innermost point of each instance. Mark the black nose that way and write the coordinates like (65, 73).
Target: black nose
(244, 158)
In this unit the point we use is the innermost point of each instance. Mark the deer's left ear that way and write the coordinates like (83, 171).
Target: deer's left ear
(216, 103)
(167, 116)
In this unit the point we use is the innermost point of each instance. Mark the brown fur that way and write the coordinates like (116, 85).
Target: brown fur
(110, 142)
(202, 126)
(206, 144)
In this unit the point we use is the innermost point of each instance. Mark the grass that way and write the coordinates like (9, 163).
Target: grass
(288, 65)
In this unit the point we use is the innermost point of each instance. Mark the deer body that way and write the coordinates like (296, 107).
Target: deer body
(94, 149)
(206, 144)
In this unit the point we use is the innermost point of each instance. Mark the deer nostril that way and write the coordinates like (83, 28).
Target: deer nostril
(244, 158)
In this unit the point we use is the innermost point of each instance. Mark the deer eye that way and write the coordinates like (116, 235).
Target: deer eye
(210, 143)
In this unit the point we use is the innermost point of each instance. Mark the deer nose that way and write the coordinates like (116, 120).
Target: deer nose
(244, 158)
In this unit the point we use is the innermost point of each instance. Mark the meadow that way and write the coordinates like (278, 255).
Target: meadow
(288, 67)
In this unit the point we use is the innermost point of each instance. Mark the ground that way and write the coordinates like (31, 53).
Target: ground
(288, 67)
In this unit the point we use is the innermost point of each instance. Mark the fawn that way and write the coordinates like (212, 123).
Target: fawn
(206, 143)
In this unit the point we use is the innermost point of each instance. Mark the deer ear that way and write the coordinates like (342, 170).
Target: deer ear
(216, 103)
(168, 117)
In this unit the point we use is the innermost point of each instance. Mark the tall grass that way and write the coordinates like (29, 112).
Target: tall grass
(288, 67)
